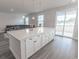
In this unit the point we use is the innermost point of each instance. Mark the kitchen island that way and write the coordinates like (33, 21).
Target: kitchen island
(24, 43)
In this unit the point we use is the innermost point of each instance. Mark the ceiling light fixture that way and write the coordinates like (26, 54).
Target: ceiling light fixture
(23, 17)
(73, 1)
(11, 9)
(33, 18)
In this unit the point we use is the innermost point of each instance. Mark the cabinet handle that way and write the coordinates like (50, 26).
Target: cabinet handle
(30, 39)
(35, 41)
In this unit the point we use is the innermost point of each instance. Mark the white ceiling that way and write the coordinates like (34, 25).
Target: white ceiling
(29, 6)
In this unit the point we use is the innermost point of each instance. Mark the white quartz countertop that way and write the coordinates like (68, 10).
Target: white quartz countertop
(25, 33)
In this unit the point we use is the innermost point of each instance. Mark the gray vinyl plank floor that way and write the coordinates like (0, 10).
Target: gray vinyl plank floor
(59, 48)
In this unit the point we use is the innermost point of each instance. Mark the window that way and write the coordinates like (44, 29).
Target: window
(60, 22)
(69, 22)
(27, 21)
(65, 22)
(41, 20)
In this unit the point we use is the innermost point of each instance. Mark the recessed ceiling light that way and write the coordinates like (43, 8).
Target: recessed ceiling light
(11, 9)
(23, 17)
(73, 1)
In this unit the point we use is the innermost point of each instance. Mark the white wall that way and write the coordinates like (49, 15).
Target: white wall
(75, 36)
(50, 15)
(10, 19)
(31, 21)
(50, 18)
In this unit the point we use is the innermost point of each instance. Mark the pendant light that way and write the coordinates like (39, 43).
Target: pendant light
(33, 18)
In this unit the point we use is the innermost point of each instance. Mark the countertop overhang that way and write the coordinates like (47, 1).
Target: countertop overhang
(25, 33)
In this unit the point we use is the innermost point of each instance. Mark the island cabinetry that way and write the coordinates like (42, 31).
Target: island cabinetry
(33, 44)
(25, 43)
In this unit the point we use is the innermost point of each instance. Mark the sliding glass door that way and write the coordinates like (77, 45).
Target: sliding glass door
(65, 22)
(69, 23)
(60, 23)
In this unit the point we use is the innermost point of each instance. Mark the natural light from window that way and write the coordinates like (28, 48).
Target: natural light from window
(41, 20)
(27, 20)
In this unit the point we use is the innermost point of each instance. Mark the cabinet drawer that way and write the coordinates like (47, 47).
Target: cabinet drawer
(33, 44)
(44, 40)
(37, 43)
(29, 47)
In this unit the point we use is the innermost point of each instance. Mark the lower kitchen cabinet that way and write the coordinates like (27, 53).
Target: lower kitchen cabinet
(25, 43)
(29, 47)
(36, 42)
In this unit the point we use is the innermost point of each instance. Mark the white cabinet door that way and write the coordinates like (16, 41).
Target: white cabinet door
(37, 43)
(44, 39)
(47, 37)
(29, 47)
(50, 37)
